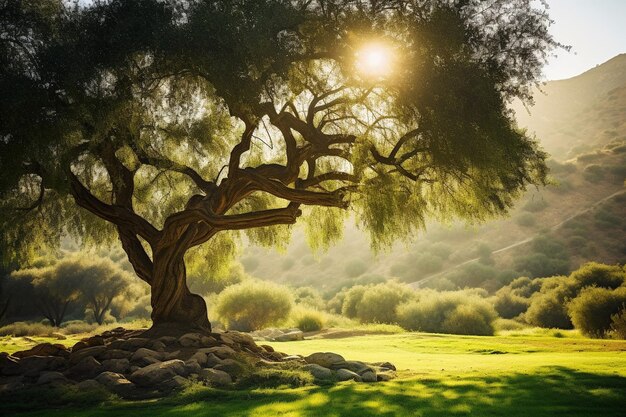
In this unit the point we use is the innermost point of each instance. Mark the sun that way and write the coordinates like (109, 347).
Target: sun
(375, 60)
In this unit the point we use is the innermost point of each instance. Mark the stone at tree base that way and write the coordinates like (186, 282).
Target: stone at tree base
(108, 378)
(369, 376)
(94, 351)
(212, 360)
(215, 377)
(157, 346)
(88, 385)
(156, 373)
(143, 353)
(116, 365)
(208, 341)
(44, 349)
(346, 375)
(177, 382)
(51, 377)
(222, 352)
(325, 359)
(167, 340)
(115, 354)
(199, 357)
(87, 368)
(318, 371)
(190, 340)
(192, 367)
(32, 366)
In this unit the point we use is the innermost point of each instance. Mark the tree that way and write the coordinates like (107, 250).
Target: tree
(174, 125)
(51, 293)
(100, 282)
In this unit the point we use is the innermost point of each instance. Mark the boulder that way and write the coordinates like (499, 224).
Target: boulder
(32, 366)
(325, 359)
(354, 366)
(87, 368)
(167, 340)
(385, 376)
(143, 353)
(318, 372)
(133, 343)
(212, 360)
(52, 377)
(347, 375)
(209, 341)
(385, 365)
(88, 385)
(116, 365)
(192, 367)
(44, 349)
(9, 365)
(369, 376)
(215, 377)
(290, 336)
(240, 338)
(190, 340)
(199, 357)
(176, 383)
(157, 345)
(115, 354)
(222, 352)
(94, 351)
(156, 373)
(116, 383)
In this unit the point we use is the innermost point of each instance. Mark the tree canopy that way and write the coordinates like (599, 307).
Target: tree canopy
(173, 125)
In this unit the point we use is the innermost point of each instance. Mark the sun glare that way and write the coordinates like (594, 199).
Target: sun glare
(374, 60)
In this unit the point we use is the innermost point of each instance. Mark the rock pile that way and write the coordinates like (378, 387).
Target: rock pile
(277, 335)
(133, 366)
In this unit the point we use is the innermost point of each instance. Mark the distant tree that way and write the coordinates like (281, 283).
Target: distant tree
(173, 124)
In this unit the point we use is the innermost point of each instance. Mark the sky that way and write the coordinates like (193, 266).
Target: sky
(596, 30)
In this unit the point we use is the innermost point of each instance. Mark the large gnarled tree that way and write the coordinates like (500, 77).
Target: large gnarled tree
(173, 125)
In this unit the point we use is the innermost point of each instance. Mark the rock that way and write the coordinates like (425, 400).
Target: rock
(167, 340)
(173, 355)
(114, 354)
(157, 346)
(190, 340)
(385, 365)
(199, 357)
(176, 383)
(109, 379)
(208, 341)
(116, 383)
(222, 352)
(369, 376)
(159, 372)
(346, 375)
(58, 336)
(116, 365)
(9, 365)
(32, 366)
(143, 353)
(88, 385)
(133, 343)
(192, 367)
(87, 368)
(267, 348)
(296, 358)
(79, 345)
(318, 372)
(44, 349)
(215, 377)
(241, 338)
(354, 366)
(93, 351)
(51, 377)
(385, 376)
(212, 360)
(290, 337)
(325, 359)
(230, 366)
(12, 384)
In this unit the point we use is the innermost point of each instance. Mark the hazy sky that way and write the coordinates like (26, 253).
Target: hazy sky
(596, 30)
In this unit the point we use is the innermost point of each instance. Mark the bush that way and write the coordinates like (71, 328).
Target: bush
(253, 305)
(78, 326)
(355, 268)
(525, 287)
(20, 328)
(508, 305)
(593, 310)
(308, 296)
(308, 320)
(548, 308)
(618, 325)
(379, 302)
(599, 275)
(351, 300)
(448, 312)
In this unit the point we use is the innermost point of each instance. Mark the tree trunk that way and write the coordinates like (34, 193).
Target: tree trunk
(174, 308)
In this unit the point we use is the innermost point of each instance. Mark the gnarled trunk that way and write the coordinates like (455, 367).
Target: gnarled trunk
(174, 307)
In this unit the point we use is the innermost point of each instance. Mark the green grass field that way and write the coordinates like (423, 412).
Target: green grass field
(519, 374)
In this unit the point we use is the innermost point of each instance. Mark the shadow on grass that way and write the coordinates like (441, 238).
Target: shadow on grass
(551, 391)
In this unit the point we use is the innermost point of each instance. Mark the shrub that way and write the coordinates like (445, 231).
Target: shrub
(448, 312)
(379, 302)
(593, 310)
(78, 326)
(525, 287)
(252, 305)
(20, 328)
(308, 320)
(351, 300)
(355, 267)
(508, 305)
(599, 275)
(308, 296)
(548, 308)
(618, 325)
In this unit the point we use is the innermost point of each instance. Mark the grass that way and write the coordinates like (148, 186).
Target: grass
(517, 374)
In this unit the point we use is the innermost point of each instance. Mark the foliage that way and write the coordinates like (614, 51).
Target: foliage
(253, 305)
(618, 325)
(27, 329)
(157, 113)
(308, 319)
(548, 257)
(379, 302)
(308, 297)
(593, 310)
(355, 267)
(508, 305)
(448, 312)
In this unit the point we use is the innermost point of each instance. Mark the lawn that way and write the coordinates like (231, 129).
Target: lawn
(439, 375)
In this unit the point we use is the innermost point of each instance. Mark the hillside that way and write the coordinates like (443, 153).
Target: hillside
(582, 121)
(581, 113)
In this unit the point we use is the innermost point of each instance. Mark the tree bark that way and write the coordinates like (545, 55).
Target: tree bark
(174, 307)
